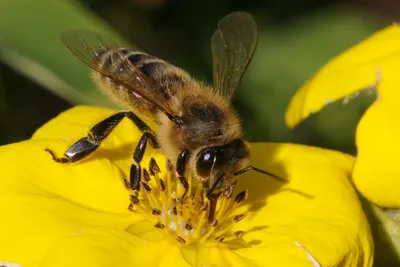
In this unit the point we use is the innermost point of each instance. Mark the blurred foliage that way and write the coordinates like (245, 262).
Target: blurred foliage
(385, 231)
(295, 40)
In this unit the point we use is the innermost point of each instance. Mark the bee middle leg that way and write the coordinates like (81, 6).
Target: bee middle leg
(87, 145)
(136, 172)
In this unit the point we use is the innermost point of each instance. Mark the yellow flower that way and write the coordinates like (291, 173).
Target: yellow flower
(373, 62)
(77, 215)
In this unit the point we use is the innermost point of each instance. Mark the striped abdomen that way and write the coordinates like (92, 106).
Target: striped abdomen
(128, 66)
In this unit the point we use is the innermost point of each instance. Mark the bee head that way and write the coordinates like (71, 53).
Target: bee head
(227, 158)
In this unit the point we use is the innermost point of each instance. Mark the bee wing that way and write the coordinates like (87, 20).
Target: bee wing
(233, 45)
(89, 47)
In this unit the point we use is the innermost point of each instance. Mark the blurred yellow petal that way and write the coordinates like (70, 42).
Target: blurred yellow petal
(376, 172)
(77, 214)
(92, 248)
(356, 69)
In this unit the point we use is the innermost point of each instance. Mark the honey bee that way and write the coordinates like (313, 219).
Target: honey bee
(197, 127)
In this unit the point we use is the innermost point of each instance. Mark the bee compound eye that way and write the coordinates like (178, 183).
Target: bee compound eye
(205, 161)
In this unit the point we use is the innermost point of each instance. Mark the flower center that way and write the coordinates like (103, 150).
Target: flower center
(194, 219)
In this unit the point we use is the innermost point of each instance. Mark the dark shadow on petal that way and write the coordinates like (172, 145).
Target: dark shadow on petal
(260, 186)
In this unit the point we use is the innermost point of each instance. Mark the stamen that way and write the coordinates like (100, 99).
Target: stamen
(229, 190)
(146, 187)
(180, 240)
(161, 185)
(242, 196)
(127, 185)
(238, 218)
(156, 211)
(134, 199)
(238, 233)
(174, 211)
(153, 167)
(188, 226)
(204, 206)
(146, 176)
(219, 239)
(159, 225)
(170, 166)
(194, 219)
(214, 223)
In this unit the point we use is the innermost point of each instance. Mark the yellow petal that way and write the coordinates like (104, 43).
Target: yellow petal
(376, 172)
(92, 248)
(318, 208)
(43, 203)
(349, 72)
(78, 211)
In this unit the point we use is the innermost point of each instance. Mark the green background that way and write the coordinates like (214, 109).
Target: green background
(40, 78)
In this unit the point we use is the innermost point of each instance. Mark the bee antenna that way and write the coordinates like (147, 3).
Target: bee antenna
(249, 168)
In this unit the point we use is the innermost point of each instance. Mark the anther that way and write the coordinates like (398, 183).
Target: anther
(155, 211)
(130, 207)
(242, 196)
(146, 176)
(153, 167)
(146, 187)
(175, 211)
(238, 218)
(159, 225)
(127, 185)
(238, 233)
(204, 206)
(219, 239)
(214, 223)
(180, 240)
(229, 190)
(188, 226)
(134, 199)
(169, 165)
(161, 185)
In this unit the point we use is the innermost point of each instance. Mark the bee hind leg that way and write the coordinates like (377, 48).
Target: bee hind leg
(85, 146)
(79, 150)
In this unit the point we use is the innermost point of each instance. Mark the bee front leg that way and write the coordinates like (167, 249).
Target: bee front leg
(85, 146)
(210, 192)
(181, 170)
(136, 172)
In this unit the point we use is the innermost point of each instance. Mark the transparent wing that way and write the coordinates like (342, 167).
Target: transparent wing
(233, 45)
(90, 47)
